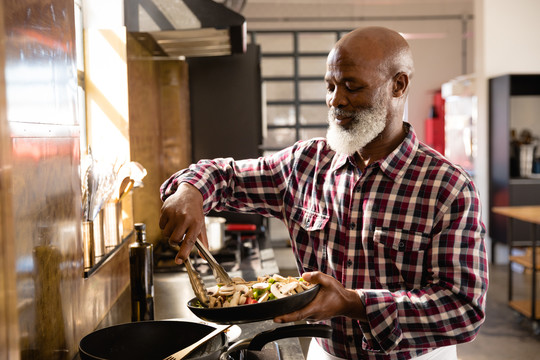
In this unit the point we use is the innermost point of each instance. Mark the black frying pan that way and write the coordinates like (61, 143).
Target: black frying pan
(154, 340)
(149, 340)
(254, 312)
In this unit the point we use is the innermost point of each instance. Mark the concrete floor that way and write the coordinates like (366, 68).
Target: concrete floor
(505, 335)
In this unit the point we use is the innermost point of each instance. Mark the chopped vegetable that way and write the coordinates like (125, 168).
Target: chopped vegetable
(266, 288)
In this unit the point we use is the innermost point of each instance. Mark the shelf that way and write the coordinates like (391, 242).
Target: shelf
(525, 261)
(524, 308)
(524, 181)
(104, 259)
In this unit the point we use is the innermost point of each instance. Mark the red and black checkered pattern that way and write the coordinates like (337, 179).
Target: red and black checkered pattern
(406, 233)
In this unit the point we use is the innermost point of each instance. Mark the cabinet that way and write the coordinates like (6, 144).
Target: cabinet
(506, 94)
(226, 111)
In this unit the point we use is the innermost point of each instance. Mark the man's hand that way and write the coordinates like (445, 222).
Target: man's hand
(182, 218)
(331, 300)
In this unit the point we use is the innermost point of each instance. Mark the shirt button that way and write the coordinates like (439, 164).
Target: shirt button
(352, 226)
(349, 263)
(350, 339)
(401, 244)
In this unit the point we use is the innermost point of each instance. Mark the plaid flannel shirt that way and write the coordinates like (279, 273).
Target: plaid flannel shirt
(406, 233)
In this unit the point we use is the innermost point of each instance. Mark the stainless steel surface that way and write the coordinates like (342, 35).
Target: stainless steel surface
(217, 270)
(112, 224)
(88, 244)
(197, 284)
(278, 351)
(186, 351)
(99, 236)
(236, 347)
(54, 305)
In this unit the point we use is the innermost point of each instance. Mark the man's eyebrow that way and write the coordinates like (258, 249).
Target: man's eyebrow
(346, 79)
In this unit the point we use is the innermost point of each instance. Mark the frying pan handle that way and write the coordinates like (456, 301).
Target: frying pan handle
(302, 330)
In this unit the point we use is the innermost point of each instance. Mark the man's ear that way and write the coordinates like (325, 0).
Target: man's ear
(401, 82)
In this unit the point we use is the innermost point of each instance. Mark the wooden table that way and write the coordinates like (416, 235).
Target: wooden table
(530, 214)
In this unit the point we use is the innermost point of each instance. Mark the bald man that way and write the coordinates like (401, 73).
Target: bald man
(389, 228)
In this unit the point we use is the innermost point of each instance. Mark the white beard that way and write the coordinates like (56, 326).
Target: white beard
(366, 125)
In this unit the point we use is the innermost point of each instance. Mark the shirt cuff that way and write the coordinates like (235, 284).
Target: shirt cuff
(381, 331)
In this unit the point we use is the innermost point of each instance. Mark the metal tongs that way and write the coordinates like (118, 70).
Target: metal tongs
(195, 279)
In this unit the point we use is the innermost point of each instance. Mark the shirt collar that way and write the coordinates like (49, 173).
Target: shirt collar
(340, 160)
(394, 165)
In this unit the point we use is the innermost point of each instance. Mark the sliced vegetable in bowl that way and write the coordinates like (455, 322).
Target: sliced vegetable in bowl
(265, 288)
(265, 298)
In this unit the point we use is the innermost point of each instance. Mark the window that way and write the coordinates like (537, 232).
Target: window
(293, 65)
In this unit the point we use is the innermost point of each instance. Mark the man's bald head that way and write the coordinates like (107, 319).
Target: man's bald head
(383, 48)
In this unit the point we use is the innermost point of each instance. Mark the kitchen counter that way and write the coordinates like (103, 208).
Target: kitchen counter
(172, 291)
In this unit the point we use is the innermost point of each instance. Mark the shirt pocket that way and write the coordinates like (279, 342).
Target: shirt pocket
(310, 237)
(399, 258)
(309, 220)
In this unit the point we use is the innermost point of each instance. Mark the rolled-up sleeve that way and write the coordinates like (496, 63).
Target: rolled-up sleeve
(248, 186)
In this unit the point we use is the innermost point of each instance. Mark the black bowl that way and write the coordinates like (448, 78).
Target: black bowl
(254, 312)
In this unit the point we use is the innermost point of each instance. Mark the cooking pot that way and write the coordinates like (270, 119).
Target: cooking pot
(155, 340)
(215, 230)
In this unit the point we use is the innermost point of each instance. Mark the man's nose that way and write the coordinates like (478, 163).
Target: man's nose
(336, 98)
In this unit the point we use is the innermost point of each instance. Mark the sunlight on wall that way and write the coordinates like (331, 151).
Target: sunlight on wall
(107, 94)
